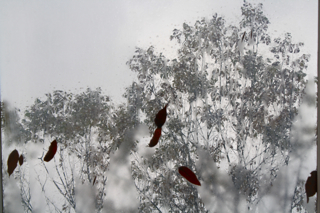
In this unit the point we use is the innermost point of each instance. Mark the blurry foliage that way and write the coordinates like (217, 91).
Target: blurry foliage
(238, 107)
(87, 127)
(14, 132)
(298, 197)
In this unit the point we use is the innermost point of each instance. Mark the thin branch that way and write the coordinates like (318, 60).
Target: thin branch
(147, 198)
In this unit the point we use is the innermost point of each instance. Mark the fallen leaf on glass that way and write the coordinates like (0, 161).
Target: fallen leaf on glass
(311, 185)
(21, 160)
(155, 139)
(12, 161)
(161, 117)
(51, 152)
(189, 175)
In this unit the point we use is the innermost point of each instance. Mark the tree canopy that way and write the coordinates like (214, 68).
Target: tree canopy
(234, 92)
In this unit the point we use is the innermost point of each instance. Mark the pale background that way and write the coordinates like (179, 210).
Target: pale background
(71, 45)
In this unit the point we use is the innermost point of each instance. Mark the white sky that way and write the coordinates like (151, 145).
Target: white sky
(70, 45)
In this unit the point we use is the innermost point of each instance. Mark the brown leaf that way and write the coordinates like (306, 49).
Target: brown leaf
(51, 152)
(311, 185)
(12, 161)
(189, 175)
(21, 160)
(161, 117)
(155, 139)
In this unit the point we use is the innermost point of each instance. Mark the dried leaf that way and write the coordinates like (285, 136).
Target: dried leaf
(311, 185)
(51, 152)
(94, 180)
(189, 175)
(155, 139)
(21, 160)
(12, 161)
(161, 117)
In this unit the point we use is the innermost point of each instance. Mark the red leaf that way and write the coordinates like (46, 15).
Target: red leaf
(189, 175)
(311, 185)
(12, 161)
(161, 117)
(155, 139)
(51, 152)
(21, 160)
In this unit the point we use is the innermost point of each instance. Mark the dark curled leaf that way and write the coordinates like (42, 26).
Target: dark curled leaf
(189, 175)
(161, 117)
(51, 152)
(311, 185)
(12, 161)
(155, 139)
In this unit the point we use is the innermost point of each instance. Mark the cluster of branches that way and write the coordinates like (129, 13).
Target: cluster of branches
(234, 95)
(88, 129)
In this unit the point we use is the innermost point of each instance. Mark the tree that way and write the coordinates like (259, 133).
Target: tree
(74, 121)
(234, 92)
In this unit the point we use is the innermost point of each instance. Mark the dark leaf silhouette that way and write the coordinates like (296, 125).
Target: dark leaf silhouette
(155, 139)
(21, 160)
(244, 34)
(189, 175)
(12, 161)
(51, 152)
(94, 180)
(161, 117)
(311, 185)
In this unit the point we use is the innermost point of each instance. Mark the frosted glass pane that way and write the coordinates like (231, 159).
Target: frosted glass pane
(145, 106)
